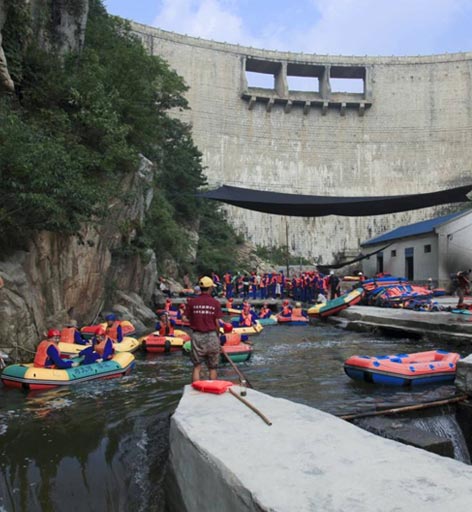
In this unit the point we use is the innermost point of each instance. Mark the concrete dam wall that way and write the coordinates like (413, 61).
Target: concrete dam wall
(404, 128)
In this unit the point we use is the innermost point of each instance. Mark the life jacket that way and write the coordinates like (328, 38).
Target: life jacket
(41, 355)
(264, 312)
(297, 312)
(166, 330)
(286, 311)
(229, 304)
(167, 306)
(67, 335)
(246, 319)
(112, 331)
(100, 347)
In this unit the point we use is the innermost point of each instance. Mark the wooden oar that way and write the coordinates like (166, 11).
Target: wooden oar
(405, 408)
(236, 369)
(252, 407)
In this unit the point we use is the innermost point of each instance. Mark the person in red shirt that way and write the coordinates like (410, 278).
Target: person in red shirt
(203, 313)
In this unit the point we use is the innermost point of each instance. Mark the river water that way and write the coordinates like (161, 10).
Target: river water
(102, 446)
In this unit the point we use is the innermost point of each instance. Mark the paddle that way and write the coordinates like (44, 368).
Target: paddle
(236, 369)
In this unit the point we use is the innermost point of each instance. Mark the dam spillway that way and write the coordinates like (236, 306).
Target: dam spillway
(406, 130)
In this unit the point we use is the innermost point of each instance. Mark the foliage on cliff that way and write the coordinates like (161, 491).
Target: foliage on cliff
(78, 123)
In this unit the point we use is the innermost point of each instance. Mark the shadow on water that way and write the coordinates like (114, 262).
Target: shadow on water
(103, 445)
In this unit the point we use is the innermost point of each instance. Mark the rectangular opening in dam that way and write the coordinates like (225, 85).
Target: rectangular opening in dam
(260, 80)
(350, 79)
(262, 73)
(304, 77)
(305, 84)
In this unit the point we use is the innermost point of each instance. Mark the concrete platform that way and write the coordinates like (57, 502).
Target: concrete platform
(224, 458)
(436, 326)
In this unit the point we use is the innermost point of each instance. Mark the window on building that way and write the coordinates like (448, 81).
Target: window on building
(393, 253)
(427, 248)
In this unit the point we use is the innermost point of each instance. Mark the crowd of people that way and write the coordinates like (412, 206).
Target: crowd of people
(303, 286)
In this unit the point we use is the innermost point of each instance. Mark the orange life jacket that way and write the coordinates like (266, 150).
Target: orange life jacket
(229, 304)
(263, 312)
(287, 310)
(41, 354)
(67, 335)
(246, 319)
(166, 330)
(100, 347)
(112, 331)
(297, 312)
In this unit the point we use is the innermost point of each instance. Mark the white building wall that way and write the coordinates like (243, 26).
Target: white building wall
(455, 239)
(425, 264)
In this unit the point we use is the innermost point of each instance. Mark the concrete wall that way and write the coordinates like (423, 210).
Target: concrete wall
(410, 132)
(224, 458)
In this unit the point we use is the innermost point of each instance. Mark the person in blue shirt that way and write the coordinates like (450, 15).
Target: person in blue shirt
(48, 354)
(114, 330)
(71, 334)
(100, 350)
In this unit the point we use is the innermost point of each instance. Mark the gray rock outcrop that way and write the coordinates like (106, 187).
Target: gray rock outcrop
(6, 83)
(61, 277)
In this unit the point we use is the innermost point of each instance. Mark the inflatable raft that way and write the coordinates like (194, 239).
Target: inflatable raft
(72, 349)
(239, 353)
(88, 331)
(253, 329)
(336, 305)
(26, 376)
(156, 343)
(434, 366)
(292, 320)
(272, 320)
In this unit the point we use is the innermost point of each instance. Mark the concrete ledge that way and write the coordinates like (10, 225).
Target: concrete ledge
(439, 326)
(224, 458)
(464, 375)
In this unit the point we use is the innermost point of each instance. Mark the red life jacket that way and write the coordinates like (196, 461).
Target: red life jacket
(229, 304)
(67, 335)
(166, 330)
(297, 311)
(112, 331)
(41, 354)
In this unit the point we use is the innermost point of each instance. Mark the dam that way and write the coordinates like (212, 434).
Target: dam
(402, 127)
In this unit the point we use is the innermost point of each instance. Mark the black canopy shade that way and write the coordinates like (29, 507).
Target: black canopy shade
(317, 206)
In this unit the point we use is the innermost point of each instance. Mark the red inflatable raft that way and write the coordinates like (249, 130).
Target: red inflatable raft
(434, 366)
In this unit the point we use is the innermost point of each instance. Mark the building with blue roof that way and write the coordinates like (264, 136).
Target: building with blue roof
(432, 248)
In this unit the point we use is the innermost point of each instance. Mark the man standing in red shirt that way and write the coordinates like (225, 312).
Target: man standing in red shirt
(203, 313)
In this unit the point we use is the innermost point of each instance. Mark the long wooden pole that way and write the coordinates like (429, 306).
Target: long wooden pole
(406, 408)
(252, 407)
(236, 369)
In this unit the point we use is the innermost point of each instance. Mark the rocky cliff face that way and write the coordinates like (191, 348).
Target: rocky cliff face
(61, 277)
(60, 24)
(6, 83)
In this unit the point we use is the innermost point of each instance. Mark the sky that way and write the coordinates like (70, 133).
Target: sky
(335, 27)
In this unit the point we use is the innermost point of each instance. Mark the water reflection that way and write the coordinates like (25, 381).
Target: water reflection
(103, 445)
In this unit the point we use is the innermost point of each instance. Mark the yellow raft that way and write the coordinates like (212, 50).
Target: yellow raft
(26, 376)
(127, 345)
